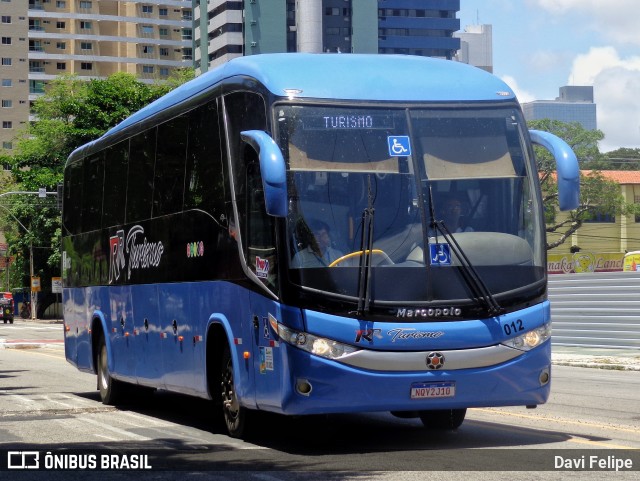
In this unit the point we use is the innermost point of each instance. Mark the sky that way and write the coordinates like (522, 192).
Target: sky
(542, 45)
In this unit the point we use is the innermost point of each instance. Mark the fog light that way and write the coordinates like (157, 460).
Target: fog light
(303, 387)
(544, 377)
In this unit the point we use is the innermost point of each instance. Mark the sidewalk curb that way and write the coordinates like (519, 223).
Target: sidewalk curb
(614, 363)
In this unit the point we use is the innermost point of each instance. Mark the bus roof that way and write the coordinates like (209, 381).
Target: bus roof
(360, 77)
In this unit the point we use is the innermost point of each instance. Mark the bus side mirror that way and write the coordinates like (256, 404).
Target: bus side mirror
(566, 167)
(272, 169)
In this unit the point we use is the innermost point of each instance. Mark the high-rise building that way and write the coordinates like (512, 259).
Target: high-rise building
(225, 29)
(575, 104)
(476, 46)
(14, 71)
(42, 39)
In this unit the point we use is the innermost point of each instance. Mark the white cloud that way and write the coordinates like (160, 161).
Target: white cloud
(616, 85)
(616, 20)
(522, 95)
(547, 61)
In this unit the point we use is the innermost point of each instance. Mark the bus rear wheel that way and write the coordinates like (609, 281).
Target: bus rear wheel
(235, 415)
(111, 391)
(445, 419)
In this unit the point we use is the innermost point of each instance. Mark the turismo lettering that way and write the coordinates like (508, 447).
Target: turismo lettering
(132, 252)
(403, 334)
(348, 122)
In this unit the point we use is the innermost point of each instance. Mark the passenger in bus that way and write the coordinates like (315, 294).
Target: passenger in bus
(318, 252)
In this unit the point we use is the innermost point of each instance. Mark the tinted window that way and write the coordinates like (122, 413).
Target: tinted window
(115, 184)
(205, 183)
(141, 166)
(92, 193)
(168, 187)
(73, 197)
(245, 111)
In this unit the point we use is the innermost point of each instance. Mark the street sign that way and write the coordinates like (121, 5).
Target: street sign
(35, 284)
(56, 285)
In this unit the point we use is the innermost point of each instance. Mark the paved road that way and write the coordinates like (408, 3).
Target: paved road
(50, 406)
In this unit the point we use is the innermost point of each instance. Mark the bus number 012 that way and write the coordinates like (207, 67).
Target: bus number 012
(513, 327)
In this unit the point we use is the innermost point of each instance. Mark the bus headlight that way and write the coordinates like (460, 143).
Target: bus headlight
(530, 339)
(320, 346)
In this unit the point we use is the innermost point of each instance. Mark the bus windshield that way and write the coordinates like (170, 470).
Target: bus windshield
(427, 193)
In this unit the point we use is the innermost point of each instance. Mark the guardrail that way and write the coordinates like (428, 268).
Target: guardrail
(600, 310)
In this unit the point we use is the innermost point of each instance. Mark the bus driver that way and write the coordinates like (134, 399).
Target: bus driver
(318, 252)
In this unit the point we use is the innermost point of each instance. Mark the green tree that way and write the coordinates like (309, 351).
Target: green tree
(597, 194)
(69, 114)
(623, 159)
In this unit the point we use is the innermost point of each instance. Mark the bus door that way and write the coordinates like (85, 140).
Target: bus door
(260, 253)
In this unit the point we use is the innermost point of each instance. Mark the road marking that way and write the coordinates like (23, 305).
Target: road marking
(113, 429)
(21, 398)
(59, 356)
(17, 327)
(31, 341)
(562, 420)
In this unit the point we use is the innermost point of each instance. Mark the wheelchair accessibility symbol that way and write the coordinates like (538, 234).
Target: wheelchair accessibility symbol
(440, 254)
(399, 145)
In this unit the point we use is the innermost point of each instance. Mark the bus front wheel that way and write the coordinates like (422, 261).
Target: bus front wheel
(235, 415)
(445, 419)
(111, 391)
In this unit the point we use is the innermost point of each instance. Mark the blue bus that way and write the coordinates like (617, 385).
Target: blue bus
(306, 234)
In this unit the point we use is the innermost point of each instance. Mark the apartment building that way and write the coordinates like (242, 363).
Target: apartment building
(228, 29)
(14, 70)
(42, 39)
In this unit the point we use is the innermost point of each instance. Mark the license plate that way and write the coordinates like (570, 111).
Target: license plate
(430, 390)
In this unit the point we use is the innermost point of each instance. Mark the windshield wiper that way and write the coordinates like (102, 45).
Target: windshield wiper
(469, 273)
(366, 246)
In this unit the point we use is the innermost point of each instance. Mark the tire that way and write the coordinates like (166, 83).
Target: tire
(11, 320)
(235, 415)
(445, 419)
(111, 391)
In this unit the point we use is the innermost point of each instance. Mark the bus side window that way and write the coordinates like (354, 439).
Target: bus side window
(205, 186)
(245, 111)
(142, 156)
(92, 193)
(73, 197)
(115, 190)
(171, 155)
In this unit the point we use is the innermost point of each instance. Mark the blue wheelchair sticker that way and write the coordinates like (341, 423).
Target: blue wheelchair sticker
(399, 145)
(440, 254)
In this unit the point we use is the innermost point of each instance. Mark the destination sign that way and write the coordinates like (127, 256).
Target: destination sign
(348, 122)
